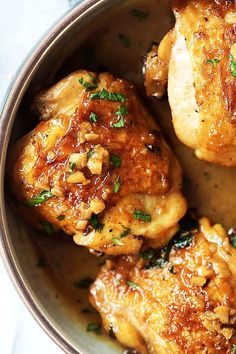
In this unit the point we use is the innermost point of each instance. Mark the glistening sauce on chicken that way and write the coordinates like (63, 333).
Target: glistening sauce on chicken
(211, 188)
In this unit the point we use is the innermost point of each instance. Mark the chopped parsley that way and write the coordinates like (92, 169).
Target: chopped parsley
(117, 185)
(183, 238)
(61, 217)
(213, 62)
(122, 111)
(48, 227)
(234, 349)
(93, 117)
(89, 86)
(120, 123)
(95, 223)
(116, 160)
(233, 66)
(94, 327)
(83, 283)
(72, 166)
(90, 152)
(106, 95)
(132, 284)
(148, 254)
(154, 149)
(125, 233)
(42, 197)
(124, 40)
(140, 14)
(117, 241)
(141, 215)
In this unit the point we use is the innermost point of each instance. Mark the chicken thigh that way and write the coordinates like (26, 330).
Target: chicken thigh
(198, 59)
(179, 300)
(97, 167)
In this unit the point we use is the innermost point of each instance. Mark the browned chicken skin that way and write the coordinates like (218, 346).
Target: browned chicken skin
(199, 58)
(98, 167)
(182, 300)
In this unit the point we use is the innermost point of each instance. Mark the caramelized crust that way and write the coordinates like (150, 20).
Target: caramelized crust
(71, 154)
(184, 305)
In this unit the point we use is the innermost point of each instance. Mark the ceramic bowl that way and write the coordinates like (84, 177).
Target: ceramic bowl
(98, 35)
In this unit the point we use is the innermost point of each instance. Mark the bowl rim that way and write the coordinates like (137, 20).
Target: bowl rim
(12, 101)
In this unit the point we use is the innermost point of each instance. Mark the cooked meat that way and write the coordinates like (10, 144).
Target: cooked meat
(199, 58)
(181, 300)
(97, 167)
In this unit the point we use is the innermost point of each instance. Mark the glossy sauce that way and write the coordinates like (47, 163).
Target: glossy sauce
(210, 189)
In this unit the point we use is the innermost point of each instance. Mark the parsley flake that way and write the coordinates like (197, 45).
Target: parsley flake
(93, 117)
(48, 227)
(89, 86)
(117, 185)
(132, 284)
(120, 123)
(234, 349)
(141, 215)
(124, 40)
(117, 241)
(140, 14)
(72, 166)
(42, 197)
(125, 233)
(116, 160)
(94, 327)
(233, 66)
(94, 222)
(213, 62)
(90, 153)
(106, 95)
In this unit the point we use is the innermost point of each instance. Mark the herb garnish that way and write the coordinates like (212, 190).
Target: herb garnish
(83, 283)
(90, 152)
(61, 217)
(39, 199)
(87, 85)
(106, 95)
(95, 223)
(124, 40)
(93, 117)
(234, 349)
(94, 327)
(116, 160)
(132, 284)
(117, 185)
(121, 113)
(141, 215)
(72, 166)
(213, 62)
(140, 14)
(183, 239)
(233, 66)
(117, 241)
(48, 227)
(154, 149)
(125, 233)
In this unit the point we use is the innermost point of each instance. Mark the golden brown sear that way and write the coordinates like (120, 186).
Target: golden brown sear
(199, 59)
(180, 300)
(97, 167)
